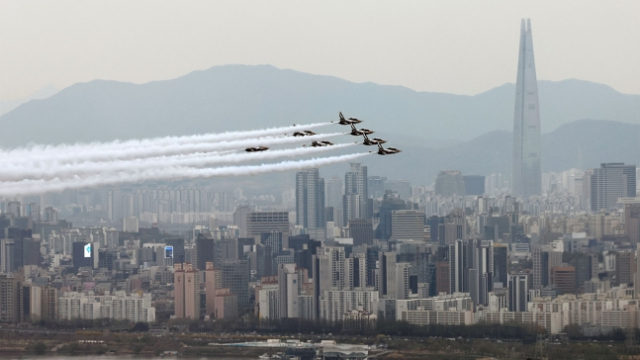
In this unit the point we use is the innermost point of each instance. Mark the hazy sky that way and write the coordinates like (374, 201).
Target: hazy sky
(463, 47)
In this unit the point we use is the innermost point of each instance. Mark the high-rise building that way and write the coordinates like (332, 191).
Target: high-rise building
(334, 192)
(390, 202)
(355, 193)
(527, 169)
(235, 276)
(356, 271)
(361, 231)
(450, 183)
(632, 222)
(609, 183)
(310, 199)
(210, 286)
(473, 185)
(204, 251)
(186, 291)
(240, 219)
(519, 286)
(564, 278)
(83, 254)
(260, 222)
(387, 275)
(625, 267)
(500, 264)
(407, 225)
(288, 287)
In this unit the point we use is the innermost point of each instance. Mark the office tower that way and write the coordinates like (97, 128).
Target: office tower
(204, 251)
(473, 185)
(334, 192)
(390, 202)
(402, 280)
(235, 276)
(240, 219)
(637, 275)
(387, 275)
(178, 249)
(310, 199)
(552, 259)
(225, 249)
(82, 254)
(210, 287)
(355, 193)
(527, 173)
(450, 183)
(288, 287)
(519, 286)
(625, 267)
(376, 186)
(632, 222)
(407, 225)
(564, 278)
(267, 221)
(361, 231)
(457, 261)
(609, 183)
(452, 228)
(443, 282)
(536, 257)
(474, 286)
(501, 265)
(8, 256)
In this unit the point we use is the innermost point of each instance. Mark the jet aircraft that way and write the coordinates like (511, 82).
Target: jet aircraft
(350, 121)
(387, 151)
(303, 133)
(256, 149)
(375, 141)
(356, 132)
(321, 143)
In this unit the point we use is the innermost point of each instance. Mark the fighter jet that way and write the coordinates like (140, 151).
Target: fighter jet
(256, 149)
(303, 133)
(350, 121)
(356, 132)
(321, 143)
(387, 151)
(375, 141)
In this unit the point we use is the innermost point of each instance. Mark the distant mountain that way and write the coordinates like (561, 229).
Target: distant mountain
(45, 92)
(236, 97)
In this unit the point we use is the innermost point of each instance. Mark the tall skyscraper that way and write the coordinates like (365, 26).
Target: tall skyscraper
(309, 199)
(527, 172)
(355, 193)
(609, 183)
(450, 183)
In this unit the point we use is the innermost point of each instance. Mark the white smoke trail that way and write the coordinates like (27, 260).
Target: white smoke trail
(83, 169)
(32, 187)
(167, 140)
(110, 154)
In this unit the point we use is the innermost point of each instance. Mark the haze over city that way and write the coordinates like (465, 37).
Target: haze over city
(331, 180)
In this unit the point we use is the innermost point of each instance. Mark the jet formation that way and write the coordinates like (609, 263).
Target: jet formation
(354, 132)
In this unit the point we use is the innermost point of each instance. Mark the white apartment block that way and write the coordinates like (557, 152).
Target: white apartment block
(119, 306)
